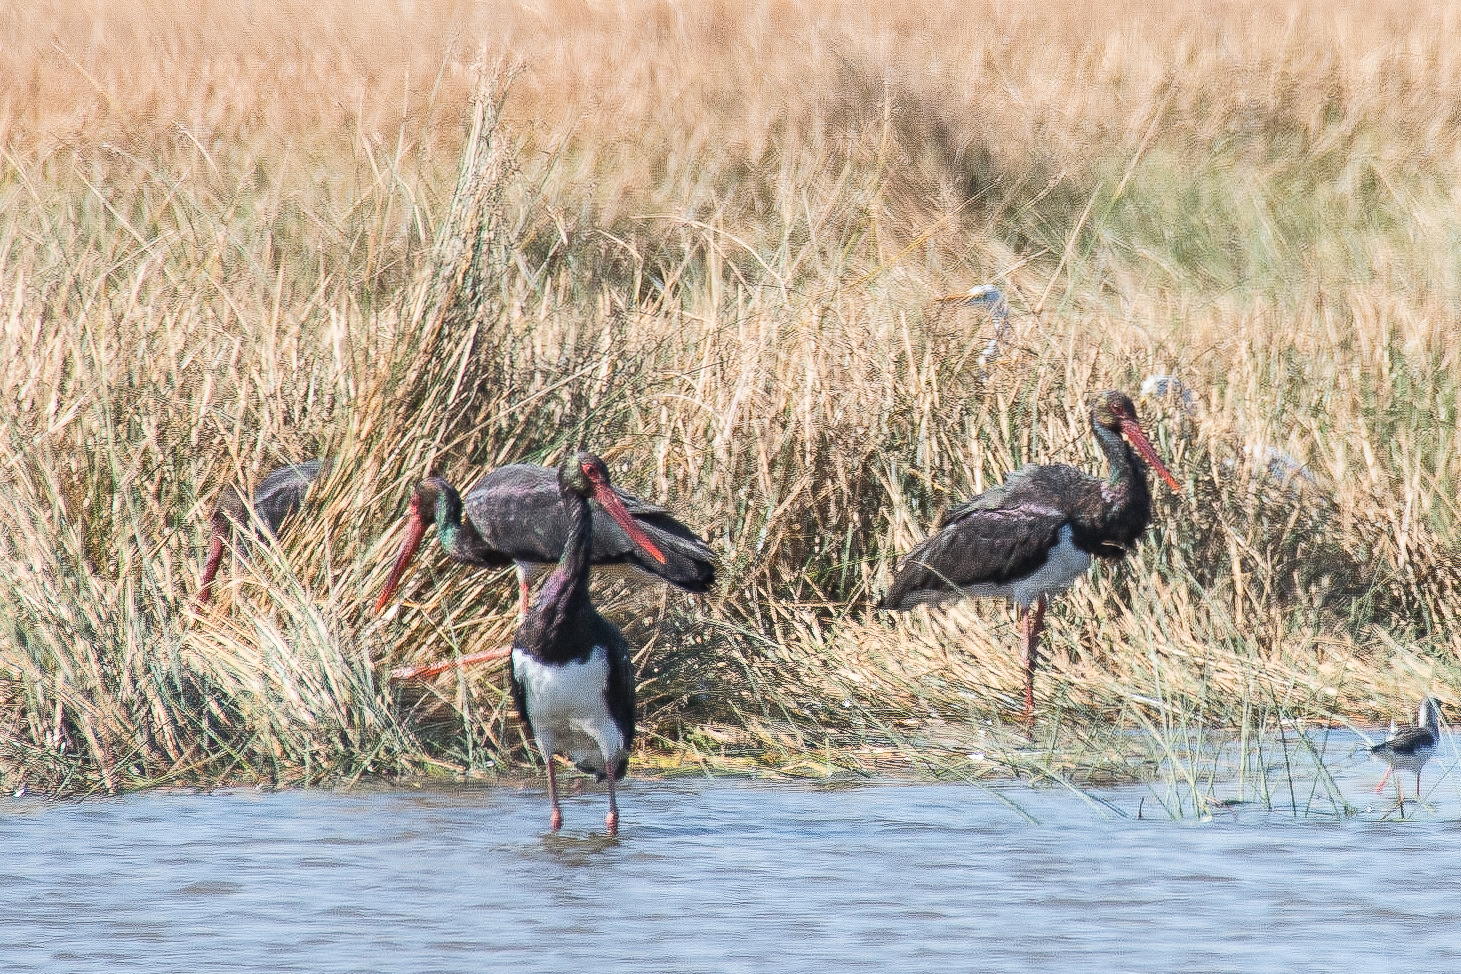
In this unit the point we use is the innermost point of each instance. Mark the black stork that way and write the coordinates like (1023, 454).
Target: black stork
(1409, 748)
(1035, 534)
(516, 515)
(572, 674)
(280, 495)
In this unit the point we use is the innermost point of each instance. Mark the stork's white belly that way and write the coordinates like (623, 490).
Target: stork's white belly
(569, 708)
(1064, 565)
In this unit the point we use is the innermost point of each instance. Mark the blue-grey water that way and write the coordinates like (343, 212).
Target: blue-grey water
(731, 876)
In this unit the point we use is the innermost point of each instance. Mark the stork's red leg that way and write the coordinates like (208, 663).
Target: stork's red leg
(611, 822)
(555, 821)
(429, 670)
(1023, 615)
(1386, 777)
(1032, 623)
(522, 592)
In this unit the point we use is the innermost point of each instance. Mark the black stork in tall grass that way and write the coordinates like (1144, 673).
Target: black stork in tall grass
(572, 673)
(1409, 748)
(516, 515)
(280, 495)
(1035, 534)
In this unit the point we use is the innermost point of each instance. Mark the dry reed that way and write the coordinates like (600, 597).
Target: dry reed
(704, 239)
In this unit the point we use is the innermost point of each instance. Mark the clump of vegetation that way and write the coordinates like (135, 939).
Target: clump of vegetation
(712, 257)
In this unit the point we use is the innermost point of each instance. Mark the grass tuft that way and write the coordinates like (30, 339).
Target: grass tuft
(706, 242)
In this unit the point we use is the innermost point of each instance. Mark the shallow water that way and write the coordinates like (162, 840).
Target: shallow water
(730, 876)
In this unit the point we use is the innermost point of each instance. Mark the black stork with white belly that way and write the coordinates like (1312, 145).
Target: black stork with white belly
(280, 495)
(515, 515)
(572, 673)
(1035, 534)
(1409, 748)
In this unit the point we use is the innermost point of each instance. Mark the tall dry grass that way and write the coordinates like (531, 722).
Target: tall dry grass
(704, 240)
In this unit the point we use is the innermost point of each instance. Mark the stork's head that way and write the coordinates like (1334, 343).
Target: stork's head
(1115, 411)
(587, 476)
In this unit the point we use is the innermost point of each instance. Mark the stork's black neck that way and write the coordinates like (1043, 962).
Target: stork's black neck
(1126, 498)
(458, 538)
(556, 628)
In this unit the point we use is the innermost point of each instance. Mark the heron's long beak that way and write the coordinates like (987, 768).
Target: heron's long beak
(979, 296)
(972, 300)
(1134, 435)
(610, 502)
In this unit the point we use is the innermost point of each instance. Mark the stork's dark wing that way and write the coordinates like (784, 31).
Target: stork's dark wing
(975, 545)
(281, 493)
(621, 688)
(519, 511)
(1407, 740)
(689, 562)
(519, 696)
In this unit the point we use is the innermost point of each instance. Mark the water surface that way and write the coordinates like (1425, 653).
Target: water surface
(730, 876)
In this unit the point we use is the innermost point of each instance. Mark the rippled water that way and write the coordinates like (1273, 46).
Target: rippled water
(728, 876)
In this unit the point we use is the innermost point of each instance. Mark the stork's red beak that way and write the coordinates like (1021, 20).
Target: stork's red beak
(415, 531)
(610, 502)
(210, 567)
(1134, 435)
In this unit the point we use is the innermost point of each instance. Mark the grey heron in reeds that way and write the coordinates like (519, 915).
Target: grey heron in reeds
(987, 296)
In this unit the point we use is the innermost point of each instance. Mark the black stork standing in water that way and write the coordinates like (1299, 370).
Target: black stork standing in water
(1409, 748)
(516, 515)
(1035, 534)
(572, 674)
(279, 496)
